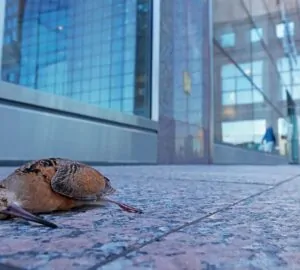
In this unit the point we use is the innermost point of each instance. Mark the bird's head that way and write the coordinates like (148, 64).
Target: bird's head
(108, 189)
(9, 207)
(105, 187)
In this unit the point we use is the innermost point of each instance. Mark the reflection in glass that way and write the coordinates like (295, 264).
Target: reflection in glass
(257, 96)
(281, 29)
(228, 40)
(257, 67)
(229, 98)
(241, 87)
(256, 34)
(258, 81)
(96, 52)
(244, 97)
(249, 80)
(228, 70)
(290, 77)
(243, 132)
(228, 84)
(243, 83)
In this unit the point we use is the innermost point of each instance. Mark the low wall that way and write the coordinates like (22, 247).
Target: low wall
(226, 154)
(36, 125)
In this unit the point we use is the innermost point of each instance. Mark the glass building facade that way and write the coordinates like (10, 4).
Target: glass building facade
(221, 73)
(95, 52)
(256, 65)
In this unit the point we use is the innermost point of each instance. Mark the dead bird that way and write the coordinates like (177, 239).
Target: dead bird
(54, 184)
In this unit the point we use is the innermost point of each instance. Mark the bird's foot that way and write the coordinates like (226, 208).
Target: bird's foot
(129, 208)
(125, 207)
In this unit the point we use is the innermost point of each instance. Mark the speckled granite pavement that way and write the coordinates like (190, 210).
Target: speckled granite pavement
(195, 217)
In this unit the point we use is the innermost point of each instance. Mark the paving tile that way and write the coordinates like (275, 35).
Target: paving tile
(268, 175)
(262, 233)
(88, 237)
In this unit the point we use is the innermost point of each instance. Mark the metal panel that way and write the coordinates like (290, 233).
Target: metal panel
(72, 130)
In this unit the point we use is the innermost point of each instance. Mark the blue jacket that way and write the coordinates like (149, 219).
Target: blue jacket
(269, 135)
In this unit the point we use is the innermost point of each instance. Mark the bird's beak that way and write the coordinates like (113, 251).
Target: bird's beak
(17, 211)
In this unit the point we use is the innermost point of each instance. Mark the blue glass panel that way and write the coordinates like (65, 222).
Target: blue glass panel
(89, 51)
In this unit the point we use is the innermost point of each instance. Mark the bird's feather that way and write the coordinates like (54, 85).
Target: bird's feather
(78, 181)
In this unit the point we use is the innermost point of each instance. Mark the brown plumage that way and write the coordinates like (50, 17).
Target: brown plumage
(54, 184)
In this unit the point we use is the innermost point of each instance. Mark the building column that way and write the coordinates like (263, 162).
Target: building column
(208, 82)
(2, 23)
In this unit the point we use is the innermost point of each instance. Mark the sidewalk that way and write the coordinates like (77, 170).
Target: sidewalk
(195, 217)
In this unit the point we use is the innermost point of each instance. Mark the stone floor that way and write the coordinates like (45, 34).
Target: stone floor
(195, 217)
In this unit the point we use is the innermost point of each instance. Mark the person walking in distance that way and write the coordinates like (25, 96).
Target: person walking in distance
(269, 140)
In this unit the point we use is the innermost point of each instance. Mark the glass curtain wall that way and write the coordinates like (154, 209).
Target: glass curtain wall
(252, 72)
(95, 52)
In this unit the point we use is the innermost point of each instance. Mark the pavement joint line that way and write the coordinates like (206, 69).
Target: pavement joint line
(224, 182)
(159, 238)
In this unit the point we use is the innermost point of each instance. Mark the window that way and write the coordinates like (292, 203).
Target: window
(229, 70)
(257, 67)
(247, 131)
(228, 40)
(240, 89)
(244, 97)
(257, 96)
(243, 83)
(228, 84)
(283, 28)
(256, 34)
(290, 79)
(229, 98)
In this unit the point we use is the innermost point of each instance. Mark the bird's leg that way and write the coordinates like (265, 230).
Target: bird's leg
(17, 211)
(123, 206)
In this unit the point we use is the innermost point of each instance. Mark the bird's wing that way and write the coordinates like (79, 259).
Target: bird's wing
(78, 181)
(39, 169)
(47, 165)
